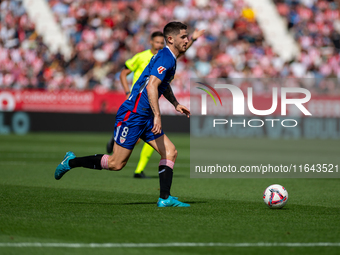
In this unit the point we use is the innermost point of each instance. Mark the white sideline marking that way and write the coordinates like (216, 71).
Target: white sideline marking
(141, 245)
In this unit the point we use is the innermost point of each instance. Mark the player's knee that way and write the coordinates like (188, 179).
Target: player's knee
(172, 154)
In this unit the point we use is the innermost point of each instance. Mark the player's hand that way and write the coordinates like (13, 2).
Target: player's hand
(128, 95)
(182, 109)
(157, 125)
(197, 33)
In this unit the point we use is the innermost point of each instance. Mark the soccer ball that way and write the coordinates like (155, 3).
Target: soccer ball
(275, 196)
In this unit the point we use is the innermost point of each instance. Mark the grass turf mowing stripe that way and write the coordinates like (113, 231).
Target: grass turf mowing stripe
(145, 245)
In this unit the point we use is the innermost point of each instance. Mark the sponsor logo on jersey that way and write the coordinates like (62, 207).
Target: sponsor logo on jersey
(161, 69)
(122, 139)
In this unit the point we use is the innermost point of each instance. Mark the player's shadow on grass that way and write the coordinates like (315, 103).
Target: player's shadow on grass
(147, 178)
(128, 203)
(154, 177)
(109, 203)
(146, 203)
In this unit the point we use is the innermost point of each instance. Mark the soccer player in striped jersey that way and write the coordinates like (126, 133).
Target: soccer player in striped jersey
(139, 117)
(137, 65)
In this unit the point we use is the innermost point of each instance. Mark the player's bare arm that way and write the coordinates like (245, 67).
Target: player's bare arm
(169, 95)
(152, 89)
(123, 74)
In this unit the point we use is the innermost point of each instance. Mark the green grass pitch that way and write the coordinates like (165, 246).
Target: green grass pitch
(90, 206)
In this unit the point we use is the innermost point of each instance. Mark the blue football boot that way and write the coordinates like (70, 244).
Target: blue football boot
(171, 202)
(64, 167)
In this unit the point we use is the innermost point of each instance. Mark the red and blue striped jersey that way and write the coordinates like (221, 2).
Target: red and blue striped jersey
(163, 66)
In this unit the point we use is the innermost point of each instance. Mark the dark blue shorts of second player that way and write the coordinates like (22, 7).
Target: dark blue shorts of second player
(130, 126)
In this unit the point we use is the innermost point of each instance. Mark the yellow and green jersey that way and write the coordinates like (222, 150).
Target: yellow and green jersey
(138, 63)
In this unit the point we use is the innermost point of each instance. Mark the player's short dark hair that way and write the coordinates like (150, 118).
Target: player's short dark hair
(173, 28)
(155, 34)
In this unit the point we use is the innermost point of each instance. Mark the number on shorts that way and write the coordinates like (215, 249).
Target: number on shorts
(125, 131)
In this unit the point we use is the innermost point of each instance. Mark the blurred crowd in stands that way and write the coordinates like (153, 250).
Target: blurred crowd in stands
(104, 34)
(315, 25)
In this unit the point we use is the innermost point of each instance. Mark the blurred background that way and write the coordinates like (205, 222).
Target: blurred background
(66, 56)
